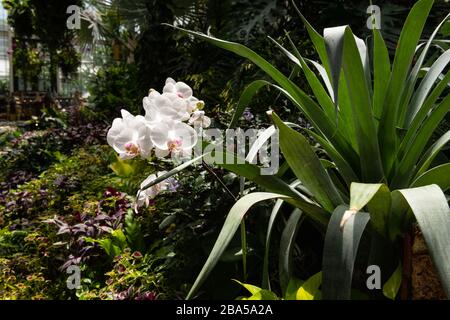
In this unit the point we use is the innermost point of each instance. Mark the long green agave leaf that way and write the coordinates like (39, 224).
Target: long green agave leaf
(274, 184)
(377, 198)
(323, 75)
(432, 212)
(229, 228)
(300, 99)
(406, 169)
(339, 254)
(316, 86)
(422, 114)
(347, 125)
(334, 44)
(426, 85)
(413, 76)
(316, 39)
(432, 152)
(287, 244)
(273, 216)
(342, 48)
(404, 54)
(371, 165)
(306, 165)
(382, 72)
(346, 171)
(439, 175)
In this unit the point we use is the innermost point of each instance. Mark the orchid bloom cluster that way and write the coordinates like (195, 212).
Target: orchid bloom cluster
(168, 126)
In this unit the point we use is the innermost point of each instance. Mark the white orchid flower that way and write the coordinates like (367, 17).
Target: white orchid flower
(181, 89)
(162, 129)
(143, 197)
(172, 137)
(129, 136)
(195, 104)
(159, 107)
(198, 119)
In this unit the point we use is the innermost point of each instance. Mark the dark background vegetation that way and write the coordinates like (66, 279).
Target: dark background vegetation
(60, 182)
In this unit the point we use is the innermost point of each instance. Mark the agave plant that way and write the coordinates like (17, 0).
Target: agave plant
(374, 118)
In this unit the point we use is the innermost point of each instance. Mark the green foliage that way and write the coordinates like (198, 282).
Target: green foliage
(257, 293)
(70, 186)
(44, 22)
(28, 61)
(134, 276)
(133, 232)
(296, 290)
(391, 287)
(114, 88)
(391, 149)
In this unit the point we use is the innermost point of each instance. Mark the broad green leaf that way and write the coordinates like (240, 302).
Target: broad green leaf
(229, 228)
(250, 288)
(317, 88)
(407, 164)
(316, 39)
(426, 85)
(274, 184)
(287, 244)
(119, 237)
(432, 152)
(300, 99)
(258, 293)
(292, 288)
(439, 175)
(347, 125)
(404, 54)
(339, 254)
(343, 166)
(382, 72)
(413, 76)
(362, 193)
(378, 199)
(391, 287)
(371, 166)
(122, 168)
(323, 75)
(306, 165)
(134, 234)
(432, 212)
(422, 114)
(334, 44)
(310, 289)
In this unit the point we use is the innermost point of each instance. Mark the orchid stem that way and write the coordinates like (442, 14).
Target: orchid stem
(208, 168)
